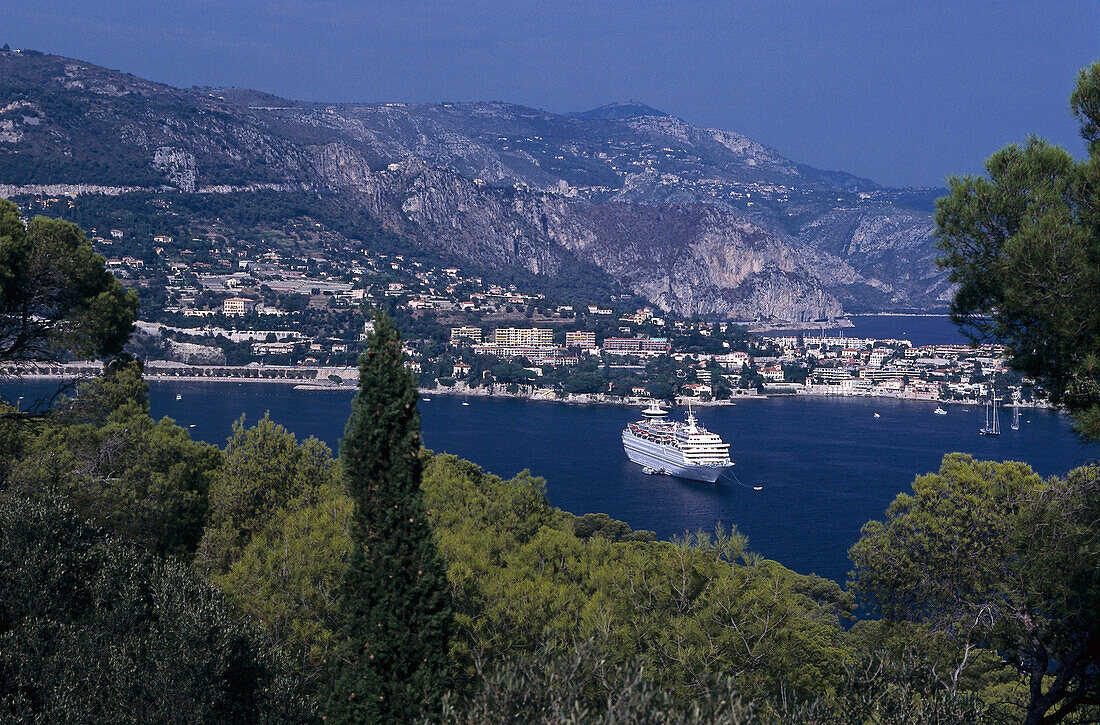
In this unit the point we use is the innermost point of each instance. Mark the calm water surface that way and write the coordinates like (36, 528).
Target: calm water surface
(826, 465)
(918, 329)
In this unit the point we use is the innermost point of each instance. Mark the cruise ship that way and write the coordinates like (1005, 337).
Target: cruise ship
(685, 449)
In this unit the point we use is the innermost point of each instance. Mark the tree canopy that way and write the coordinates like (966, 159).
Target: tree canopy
(996, 558)
(93, 629)
(276, 537)
(1023, 245)
(394, 603)
(135, 476)
(56, 294)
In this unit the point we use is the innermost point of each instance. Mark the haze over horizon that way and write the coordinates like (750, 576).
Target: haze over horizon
(901, 96)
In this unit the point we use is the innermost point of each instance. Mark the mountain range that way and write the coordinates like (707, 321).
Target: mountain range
(699, 221)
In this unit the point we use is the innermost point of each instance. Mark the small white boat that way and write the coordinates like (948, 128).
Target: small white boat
(465, 402)
(191, 426)
(426, 400)
(877, 415)
(940, 411)
(179, 397)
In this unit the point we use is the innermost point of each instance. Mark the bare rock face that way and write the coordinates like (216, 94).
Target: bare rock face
(691, 260)
(699, 221)
(178, 165)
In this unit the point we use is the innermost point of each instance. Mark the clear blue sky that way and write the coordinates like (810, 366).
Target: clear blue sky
(901, 92)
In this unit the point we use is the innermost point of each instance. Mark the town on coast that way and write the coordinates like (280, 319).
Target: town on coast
(529, 363)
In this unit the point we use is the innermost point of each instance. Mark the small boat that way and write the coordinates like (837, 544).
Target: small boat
(179, 397)
(191, 426)
(940, 411)
(877, 415)
(426, 400)
(465, 402)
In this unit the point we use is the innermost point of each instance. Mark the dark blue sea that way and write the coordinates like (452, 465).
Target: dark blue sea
(918, 329)
(826, 465)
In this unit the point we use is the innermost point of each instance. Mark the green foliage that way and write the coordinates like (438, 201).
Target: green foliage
(995, 558)
(586, 382)
(602, 525)
(894, 689)
(143, 479)
(56, 295)
(394, 603)
(276, 538)
(1085, 102)
(1024, 248)
(264, 469)
(688, 611)
(545, 687)
(94, 630)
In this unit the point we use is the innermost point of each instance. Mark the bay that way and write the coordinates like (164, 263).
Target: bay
(918, 329)
(825, 465)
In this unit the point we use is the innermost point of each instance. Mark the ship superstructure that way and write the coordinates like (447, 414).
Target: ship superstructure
(686, 449)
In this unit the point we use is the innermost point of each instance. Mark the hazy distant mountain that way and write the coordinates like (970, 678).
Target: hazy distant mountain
(619, 111)
(700, 221)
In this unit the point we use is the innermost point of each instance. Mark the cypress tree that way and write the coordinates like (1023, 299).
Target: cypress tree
(395, 604)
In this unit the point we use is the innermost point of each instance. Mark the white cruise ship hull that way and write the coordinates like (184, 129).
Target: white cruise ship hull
(667, 459)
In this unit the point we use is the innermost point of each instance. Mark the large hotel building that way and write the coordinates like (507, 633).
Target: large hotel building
(524, 337)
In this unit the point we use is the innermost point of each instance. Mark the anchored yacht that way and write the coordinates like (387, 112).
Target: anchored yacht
(687, 449)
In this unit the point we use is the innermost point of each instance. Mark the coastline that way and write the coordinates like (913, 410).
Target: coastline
(758, 328)
(528, 393)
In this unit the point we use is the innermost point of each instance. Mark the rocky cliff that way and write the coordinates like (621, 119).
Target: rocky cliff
(699, 221)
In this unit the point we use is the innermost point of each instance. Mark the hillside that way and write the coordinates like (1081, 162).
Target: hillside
(699, 221)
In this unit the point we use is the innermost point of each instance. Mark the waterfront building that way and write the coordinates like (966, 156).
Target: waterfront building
(733, 360)
(539, 355)
(831, 376)
(882, 374)
(697, 389)
(774, 373)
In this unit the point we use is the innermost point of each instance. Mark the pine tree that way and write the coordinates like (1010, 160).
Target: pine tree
(395, 605)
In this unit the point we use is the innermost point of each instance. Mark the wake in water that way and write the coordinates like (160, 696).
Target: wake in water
(739, 483)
